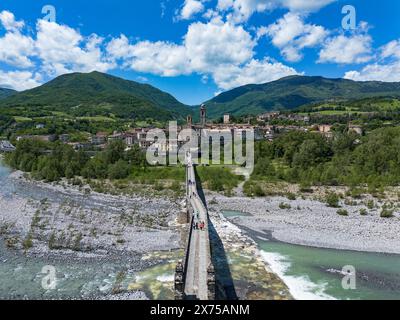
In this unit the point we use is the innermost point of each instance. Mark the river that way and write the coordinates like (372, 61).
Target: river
(22, 276)
(310, 273)
(316, 273)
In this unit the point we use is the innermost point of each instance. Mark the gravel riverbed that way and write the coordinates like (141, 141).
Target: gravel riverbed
(64, 218)
(311, 223)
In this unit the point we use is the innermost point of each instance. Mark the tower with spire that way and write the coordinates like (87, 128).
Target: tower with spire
(203, 115)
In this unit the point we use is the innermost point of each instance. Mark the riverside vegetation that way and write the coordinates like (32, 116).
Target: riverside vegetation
(366, 164)
(54, 161)
(370, 163)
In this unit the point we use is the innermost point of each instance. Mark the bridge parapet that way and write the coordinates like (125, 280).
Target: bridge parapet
(195, 275)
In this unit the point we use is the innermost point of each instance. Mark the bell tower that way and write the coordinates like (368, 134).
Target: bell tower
(189, 120)
(203, 115)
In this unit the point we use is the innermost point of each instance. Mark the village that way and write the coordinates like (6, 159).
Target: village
(263, 131)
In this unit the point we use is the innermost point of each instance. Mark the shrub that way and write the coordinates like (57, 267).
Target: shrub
(285, 206)
(176, 186)
(306, 188)
(252, 189)
(332, 200)
(356, 193)
(386, 213)
(343, 212)
(27, 243)
(77, 242)
(349, 202)
(52, 241)
(258, 191)
(291, 196)
(363, 212)
(371, 204)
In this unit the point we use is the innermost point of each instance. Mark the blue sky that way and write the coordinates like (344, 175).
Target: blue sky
(197, 48)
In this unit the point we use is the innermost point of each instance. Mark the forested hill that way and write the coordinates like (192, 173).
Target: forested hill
(293, 92)
(4, 93)
(82, 93)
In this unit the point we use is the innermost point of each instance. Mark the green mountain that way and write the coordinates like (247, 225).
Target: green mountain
(293, 92)
(99, 94)
(4, 93)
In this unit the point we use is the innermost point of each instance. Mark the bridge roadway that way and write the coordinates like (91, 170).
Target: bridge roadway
(199, 256)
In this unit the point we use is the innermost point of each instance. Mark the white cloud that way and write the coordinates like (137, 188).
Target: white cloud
(291, 35)
(392, 49)
(15, 50)
(387, 69)
(9, 23)
(191, 8)
(305, 5)
(63, 49)
(254, 72)
(355, 48)
(220, 49)
(217, 43)
(377, 72)
(19, 80)
(244, 9)
(56, 49)
(161, 58)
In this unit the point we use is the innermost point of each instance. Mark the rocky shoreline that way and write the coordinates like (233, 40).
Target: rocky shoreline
(58, 224)
(252, 278)
(312, 223)
(54, 217)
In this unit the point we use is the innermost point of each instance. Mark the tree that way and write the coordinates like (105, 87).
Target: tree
(114, 152)
(95, 168)
(312, 152)
(136, 156)
(118, 170)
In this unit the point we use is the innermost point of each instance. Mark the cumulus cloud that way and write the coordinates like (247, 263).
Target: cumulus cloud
(290, 34)
(216, 43)
(387, 69)
(255, 71)
(305, 5)
(242, 10)
(19, 80)
(191, 8)
(220, 49)
(9, 23)
(355, 48)
(15, 48)
(392, 49)
(57, 49)
(160, 58)
(63, 49)
(377, 72)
